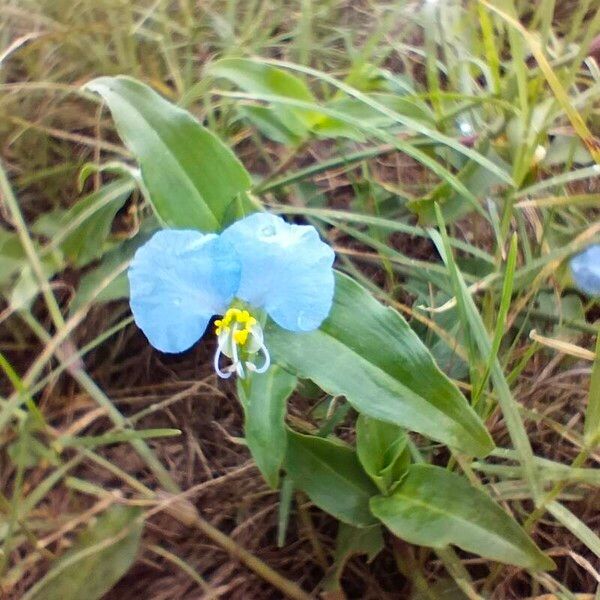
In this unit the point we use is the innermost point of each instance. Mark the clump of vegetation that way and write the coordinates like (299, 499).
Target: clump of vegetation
(430, 429)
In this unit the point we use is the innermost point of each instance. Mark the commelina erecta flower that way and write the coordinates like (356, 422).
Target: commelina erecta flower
(180, 279)
(586, 270)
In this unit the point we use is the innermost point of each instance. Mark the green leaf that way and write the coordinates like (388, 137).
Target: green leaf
(116, 167)
(264, 399)
(100, 284)
(329, 472)
(82, 230)
(382, 451)
(108, 281)
(97, 560)
(355, 540)
(454, 205)
(189, 174)
(329, 127)
(369, 354)
(260, 78)
(27, 451)
(442, 589)
(352, 540)
(27, 285)
(265, 120)
(12, 255)
(283, 511)
(435, 507)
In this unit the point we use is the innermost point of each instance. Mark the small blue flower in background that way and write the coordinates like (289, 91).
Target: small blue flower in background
(180, 279)
(586, 270)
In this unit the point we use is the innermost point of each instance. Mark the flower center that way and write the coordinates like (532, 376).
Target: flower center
(239, 337)
(239, 322)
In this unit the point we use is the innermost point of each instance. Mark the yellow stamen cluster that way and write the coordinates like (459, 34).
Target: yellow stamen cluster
(231, 317)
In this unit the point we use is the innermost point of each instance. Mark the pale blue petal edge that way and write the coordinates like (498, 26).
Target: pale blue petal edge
(286, 269)
(178, 280)
(586, 270)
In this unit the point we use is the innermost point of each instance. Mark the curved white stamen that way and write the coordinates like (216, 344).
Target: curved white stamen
(238, 349)
(266, 364)
(237, 363)
(226, 374)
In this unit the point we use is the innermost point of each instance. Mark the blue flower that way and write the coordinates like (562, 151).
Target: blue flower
(586, 270)
(180, 279)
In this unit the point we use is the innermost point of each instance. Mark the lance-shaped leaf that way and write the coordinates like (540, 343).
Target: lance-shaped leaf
(190, 175)
(435, 507)
(330, 474)
(382, 451)
(264, 398)
(257, 77)
(96, 561)
(369, 354)
(350, 541)
(81, 231)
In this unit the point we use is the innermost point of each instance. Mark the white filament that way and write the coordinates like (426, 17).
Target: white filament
(267, 363)
(226, 374)
(237, 365)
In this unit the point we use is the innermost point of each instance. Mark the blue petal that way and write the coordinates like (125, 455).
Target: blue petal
(286, 269)
(586, 270)
(179, 279)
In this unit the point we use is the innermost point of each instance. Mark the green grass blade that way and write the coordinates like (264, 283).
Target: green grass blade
(403, 146)
(403, 120)
(507, 287)
(507, 403)
(575, 526)
(592, 415)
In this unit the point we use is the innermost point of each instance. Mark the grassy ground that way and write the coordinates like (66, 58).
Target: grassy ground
(525, 101)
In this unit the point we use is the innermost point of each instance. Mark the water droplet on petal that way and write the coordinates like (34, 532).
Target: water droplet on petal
(303, 321)
(268, 231)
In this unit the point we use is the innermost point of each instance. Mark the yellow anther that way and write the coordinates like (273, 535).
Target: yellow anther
(240, 337)
(241, 317)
